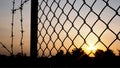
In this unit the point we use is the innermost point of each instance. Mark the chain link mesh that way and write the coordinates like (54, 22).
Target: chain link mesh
(68, 24)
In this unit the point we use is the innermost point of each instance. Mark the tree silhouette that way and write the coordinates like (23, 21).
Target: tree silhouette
(99, 53)
(75, 58)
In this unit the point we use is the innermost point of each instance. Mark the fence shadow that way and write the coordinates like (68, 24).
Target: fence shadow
(78, 58)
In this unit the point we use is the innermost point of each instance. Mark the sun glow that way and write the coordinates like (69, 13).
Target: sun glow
(92, 48)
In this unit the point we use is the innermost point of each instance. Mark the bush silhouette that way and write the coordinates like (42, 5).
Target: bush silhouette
(75, 58)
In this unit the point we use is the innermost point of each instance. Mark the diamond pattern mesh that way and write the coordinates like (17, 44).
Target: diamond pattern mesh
(68, 24)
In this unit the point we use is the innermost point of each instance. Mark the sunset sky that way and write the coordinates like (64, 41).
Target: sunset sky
(107, 37)
(5, 26)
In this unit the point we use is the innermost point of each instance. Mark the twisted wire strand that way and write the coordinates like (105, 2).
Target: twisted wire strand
(6, 48)
(12, 26)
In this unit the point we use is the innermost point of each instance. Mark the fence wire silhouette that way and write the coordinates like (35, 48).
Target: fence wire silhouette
(58, 19)
(66, 24)
(14, 10)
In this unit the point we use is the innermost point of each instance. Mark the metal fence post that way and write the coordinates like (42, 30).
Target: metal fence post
(34, 28)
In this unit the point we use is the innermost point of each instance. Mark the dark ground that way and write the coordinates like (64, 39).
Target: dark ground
(75, 59)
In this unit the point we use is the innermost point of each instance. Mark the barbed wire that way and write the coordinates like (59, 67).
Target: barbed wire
(20, 8)
(12, 26)
(47, 14)
(21, 20)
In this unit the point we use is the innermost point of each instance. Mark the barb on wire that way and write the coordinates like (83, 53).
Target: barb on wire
(22, 4)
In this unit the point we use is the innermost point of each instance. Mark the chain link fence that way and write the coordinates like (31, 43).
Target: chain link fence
(68, 24)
